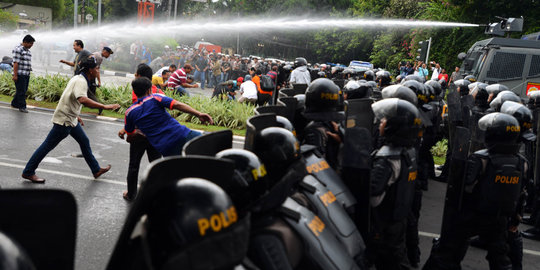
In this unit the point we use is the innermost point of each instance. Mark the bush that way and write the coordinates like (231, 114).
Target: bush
(440, 148)
(228, 114)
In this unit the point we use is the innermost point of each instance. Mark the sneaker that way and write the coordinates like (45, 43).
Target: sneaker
(23, 110)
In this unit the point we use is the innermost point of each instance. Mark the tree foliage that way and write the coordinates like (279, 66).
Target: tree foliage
(8, 21)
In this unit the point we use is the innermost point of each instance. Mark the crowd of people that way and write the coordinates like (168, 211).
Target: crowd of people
(332, 204)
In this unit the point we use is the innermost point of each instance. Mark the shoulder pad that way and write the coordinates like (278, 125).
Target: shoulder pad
(389, 151)
(482, 153)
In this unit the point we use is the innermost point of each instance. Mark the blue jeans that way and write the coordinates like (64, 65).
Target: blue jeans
(176, 150)
(56, 135)
(19, 100)
(181, 91)
(224, 76)
(200, 75)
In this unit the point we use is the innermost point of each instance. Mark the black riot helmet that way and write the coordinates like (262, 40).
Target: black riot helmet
(300, 61)
(462, 87)
(470, 78)
(401, 92)
(501, 132)
(414, 78)
(480, 95)
(284, 123)
(369, 75)
(494, 90)
(400, 120)
(355, 90)
(277, 148)
(12, 255)
(419, 89)
(383, 78)
(521, 113)
(534, 100)
(501, 98)
(194, 219)
(323, 101)
(437, 88)
(430, 92)
(250, 176)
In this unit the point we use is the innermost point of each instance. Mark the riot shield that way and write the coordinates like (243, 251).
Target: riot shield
(454, 107)
(290, 103)
(333, 214)
(255, 124)
(275, 109)
(477, 135)
(209, 144)
(358, 113)
(426, 118)
(160, 176)
(454, 190)
(44, 223)
(537, 158)
(467, 103)
(286, 92)
(299, 88)
(319, 167)
(339, 82)
(322, 246)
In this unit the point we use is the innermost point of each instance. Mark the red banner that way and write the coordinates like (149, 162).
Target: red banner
(532, 87)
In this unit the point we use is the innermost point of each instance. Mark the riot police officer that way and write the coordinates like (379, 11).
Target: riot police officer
(383, 78)
(324, 110)
(493, 183)
(393, 178)
(13, 256)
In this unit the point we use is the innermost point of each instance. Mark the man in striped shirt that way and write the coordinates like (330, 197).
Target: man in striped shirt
(22, 66)
(178, 80)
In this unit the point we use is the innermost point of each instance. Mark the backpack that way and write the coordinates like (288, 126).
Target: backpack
(267, 84)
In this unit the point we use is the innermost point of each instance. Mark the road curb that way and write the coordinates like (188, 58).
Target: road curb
(239, 139)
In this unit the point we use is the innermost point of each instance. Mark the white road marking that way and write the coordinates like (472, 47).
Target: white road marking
(84, 119)
(73, 175)
(434, 235)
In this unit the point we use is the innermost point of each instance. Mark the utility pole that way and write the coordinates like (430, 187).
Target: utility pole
(170, 7)
(175, 8)
(427, 54)
(75, 8)
(99, 14)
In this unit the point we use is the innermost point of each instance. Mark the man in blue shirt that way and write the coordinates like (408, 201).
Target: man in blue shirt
(149, 115)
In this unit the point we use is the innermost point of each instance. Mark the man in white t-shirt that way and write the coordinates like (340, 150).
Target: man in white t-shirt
(66, 121)
(248, 89)
(436, 70)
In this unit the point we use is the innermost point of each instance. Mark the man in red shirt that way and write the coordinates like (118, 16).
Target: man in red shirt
(443, 75)
(178, 80)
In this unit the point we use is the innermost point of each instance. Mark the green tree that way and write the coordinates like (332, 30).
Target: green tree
(8, 21)
(57, 6)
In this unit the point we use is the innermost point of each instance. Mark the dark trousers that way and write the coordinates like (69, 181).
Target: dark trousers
(451, 248)
(176, 149)
(412, 240)
(21, 85)
(387, 245)
(136, 152)
(56, 135)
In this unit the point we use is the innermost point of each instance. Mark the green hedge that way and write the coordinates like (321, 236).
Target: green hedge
(228, 114)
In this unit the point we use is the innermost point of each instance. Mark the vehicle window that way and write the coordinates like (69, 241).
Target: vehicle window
(534, 71)
(472, 62)
(506, 66)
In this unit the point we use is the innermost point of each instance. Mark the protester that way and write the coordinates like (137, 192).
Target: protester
(435, 70)
(443, 75)
(138, 143)
(149, 115)
(179, 80)
(82, 54)
(66, 121)
(454, 76)
(6, 64)
(22, 66)
(105, 53)
(248, 90)
(201, 66)
(161, 81)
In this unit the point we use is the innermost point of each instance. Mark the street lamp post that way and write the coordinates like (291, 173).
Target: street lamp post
(99, 14)
(75, 8)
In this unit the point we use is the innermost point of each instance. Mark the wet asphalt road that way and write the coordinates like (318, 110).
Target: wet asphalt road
(101, 209)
